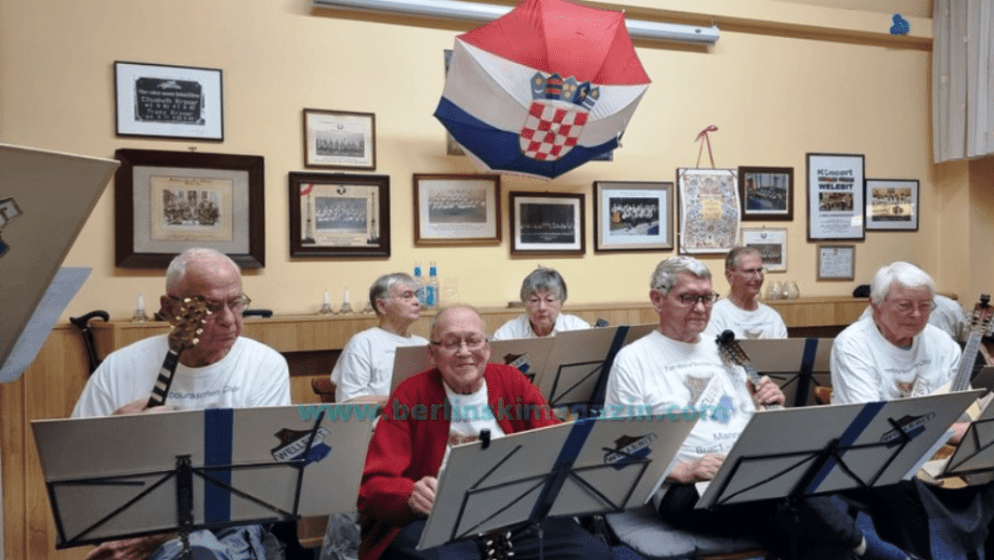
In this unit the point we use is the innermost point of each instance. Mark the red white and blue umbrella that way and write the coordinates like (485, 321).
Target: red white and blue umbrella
(542, 89)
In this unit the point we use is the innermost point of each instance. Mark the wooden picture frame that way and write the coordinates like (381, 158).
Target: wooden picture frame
(339, 140)
(767, 193)
(547, 224)
(166, 202)
(456, 209)
(892, 204)
(633, 216)
(771, 244)
(339, 216)
(164, 101)
(836, 262)
(835, 197)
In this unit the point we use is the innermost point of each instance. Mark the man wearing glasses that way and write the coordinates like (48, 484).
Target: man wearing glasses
(364, 370)
(741, 313)
(447, 405)
(891, 353)
(676, 373)
(222, 370)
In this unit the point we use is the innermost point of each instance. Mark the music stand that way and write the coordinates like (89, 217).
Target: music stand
(129, 476)
(798, 452)
(795, 364)
(577, 468)
(975, 452)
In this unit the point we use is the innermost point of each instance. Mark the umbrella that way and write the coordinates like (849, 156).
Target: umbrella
(542, 89)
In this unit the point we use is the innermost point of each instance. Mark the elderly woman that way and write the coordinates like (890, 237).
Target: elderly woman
(543, 293)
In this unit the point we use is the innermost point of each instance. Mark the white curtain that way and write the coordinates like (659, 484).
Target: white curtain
(962, 79)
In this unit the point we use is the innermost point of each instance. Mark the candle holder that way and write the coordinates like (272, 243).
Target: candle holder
(140, 316)
(326, 305)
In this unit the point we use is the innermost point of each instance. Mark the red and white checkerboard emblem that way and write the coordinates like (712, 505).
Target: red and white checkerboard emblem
(551, 129)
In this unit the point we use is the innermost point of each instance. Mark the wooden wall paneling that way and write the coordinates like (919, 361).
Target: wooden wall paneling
(14, 487)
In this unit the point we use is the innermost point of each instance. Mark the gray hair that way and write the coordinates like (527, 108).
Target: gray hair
(666, 273)
(735, 255)
(382, 286)
(434, 320)
(176, 272)
(544, 279)
(902, 273)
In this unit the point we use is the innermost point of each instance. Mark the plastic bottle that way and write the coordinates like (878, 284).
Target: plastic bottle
(419, 280)
(431, 290)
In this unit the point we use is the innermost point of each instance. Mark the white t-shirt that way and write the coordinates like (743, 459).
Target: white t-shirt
(252, 374)
(469, 416)
(665, 378)
(365, 366)
(867, 368)
(764, 322)
(521, 327)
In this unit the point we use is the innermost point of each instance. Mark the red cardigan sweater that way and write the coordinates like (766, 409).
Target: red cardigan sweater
(409, 443)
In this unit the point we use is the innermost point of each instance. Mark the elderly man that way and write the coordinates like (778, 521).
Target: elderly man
(894, 352)
(365, 368)
(408, 447)
(543, 292)
(674, 366)
(223, 370)
(741, 313)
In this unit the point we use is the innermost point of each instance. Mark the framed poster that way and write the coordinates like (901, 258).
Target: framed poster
(836, 262)
(767, 193)
(159, 100)
(633, 216)
(547, 224)
(709, 210)
(892, 204)
(835, 196)
(339, 216)
(167, 202)
(456, 210)
(339, 139)
(771, 244)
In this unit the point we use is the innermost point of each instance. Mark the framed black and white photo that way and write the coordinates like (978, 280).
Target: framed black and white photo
(767, 193)
(167, 202)
(339, 215)
(158, 100)
(835, 196)
(836, 262)
(339, 140)
(456, 209)
(547, 224)
(771, 244)
(633, 216)
(892, 204)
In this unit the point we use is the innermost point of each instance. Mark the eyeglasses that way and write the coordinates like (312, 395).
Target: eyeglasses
(408, 295)
(454, 344)
(689, 300)
(537, 300)
(905, 307)
(214, 306)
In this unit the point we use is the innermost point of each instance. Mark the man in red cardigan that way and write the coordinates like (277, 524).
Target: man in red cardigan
(447, 405)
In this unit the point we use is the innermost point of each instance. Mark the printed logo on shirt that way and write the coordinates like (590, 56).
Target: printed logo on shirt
(628, 449)
(696, 385)
(456, 438)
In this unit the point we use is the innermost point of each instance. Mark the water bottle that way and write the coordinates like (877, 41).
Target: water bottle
(431, 290)
(419, 280)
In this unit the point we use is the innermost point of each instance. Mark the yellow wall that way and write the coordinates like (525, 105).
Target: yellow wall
(774, 95)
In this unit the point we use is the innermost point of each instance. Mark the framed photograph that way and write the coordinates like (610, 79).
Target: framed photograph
(835, 196)
(166, 202)
(892, 204)
(767, 193)
(709, 210)
(633, 216)
(456, 209)
(339, 215)
(339, 140)
(157, 100)
(547, 224)
(836, 262)
(771, 244)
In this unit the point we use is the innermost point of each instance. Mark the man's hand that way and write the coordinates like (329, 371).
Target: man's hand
(767, 393)
(129, 549)
(697, 470)
(422, 495)
(959, 429)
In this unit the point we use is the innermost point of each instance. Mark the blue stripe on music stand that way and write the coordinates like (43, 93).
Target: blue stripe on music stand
(853, 432)
(218, 423)
(560, 471)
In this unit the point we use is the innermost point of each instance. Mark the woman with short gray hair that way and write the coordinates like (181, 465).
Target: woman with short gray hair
(543, 293)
